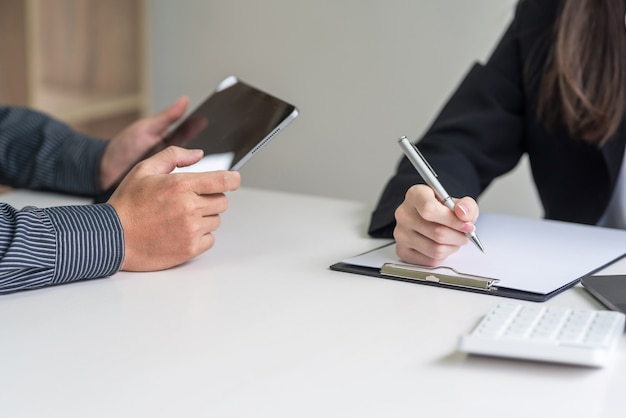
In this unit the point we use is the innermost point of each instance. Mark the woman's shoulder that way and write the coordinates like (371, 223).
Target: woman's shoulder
(538, 11)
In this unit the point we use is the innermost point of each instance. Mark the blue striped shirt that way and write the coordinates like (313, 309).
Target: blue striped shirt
(45, 246)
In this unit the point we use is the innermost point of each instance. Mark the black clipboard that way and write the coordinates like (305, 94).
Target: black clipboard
(525, 258)
(491, 289)
(503, 292)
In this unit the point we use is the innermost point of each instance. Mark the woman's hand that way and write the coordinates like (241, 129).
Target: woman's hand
(427, 231)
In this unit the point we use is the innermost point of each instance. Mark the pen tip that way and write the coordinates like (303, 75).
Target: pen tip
(479, 244)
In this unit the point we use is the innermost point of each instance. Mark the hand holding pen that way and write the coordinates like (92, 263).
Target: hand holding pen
(427, 236)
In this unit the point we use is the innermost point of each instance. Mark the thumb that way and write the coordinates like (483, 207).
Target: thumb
(167, 160)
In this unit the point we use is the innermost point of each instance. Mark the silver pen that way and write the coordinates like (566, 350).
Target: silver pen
(430, 177)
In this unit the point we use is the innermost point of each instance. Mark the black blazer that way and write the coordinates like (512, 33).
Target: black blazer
(490, 122)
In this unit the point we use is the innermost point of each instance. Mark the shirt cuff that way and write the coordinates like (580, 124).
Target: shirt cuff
(89, 241)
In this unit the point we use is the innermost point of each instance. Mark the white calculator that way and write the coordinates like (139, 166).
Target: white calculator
(583, 337)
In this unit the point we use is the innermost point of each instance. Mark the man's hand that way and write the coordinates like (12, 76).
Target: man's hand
(169, 218)
(127, 147)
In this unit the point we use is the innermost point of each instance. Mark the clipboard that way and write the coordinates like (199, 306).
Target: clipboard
(525, 258)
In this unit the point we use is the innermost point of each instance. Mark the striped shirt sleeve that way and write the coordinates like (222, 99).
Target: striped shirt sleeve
(46, 246)
(41, 153)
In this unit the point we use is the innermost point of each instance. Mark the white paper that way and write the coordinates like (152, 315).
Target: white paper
(532, 255)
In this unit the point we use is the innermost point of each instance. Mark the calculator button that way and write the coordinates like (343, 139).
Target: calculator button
(554, 334)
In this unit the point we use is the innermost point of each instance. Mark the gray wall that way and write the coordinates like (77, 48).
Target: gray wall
(362, 73)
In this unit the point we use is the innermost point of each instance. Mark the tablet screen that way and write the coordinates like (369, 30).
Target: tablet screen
(231, 125)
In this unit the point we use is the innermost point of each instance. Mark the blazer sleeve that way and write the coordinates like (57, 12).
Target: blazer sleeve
(39, 152)
(478, 135)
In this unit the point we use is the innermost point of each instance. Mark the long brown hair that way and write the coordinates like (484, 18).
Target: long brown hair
(584, 82)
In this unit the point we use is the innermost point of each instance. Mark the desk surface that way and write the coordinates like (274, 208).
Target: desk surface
(260, 327)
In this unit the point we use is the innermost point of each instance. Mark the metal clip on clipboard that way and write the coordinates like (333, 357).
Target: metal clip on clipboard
(429, 274)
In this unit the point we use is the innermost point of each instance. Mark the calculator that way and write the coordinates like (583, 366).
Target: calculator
(584, 337)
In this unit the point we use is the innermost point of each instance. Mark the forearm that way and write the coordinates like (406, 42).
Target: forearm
(478, 135)
(38, 152)
(42, 247)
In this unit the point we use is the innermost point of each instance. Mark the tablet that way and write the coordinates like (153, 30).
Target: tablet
(608, 289)
(231, 125)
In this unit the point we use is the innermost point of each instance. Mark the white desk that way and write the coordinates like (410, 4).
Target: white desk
(260, 327)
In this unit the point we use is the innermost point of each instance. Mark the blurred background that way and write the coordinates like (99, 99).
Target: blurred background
(362, 73)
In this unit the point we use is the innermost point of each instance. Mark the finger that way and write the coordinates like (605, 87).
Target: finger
(213, 204)
(411, 255)
(211, 224)
(431, 209)
(425, 242)
(410, 228)
(161, 121)
(211, 182)
(466, 209)
(168, 159)
(204, 242)
(422, 232)
(423, 200)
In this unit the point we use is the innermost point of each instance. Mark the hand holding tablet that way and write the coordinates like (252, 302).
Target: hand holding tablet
(230, 126)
